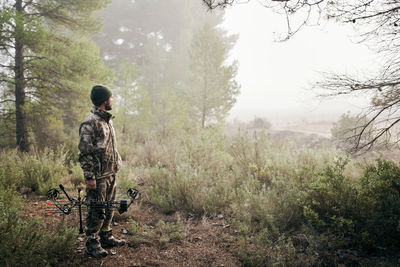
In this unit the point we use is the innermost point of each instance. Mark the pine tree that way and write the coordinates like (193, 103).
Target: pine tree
(127, 84)
(155, 36)
(213, 85)
(49, 60)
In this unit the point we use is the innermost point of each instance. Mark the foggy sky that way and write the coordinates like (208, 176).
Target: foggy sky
(276, 77)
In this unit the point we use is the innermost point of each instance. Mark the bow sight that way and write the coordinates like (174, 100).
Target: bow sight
(53, 205)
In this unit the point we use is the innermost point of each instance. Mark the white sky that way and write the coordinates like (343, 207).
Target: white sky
(276, 77)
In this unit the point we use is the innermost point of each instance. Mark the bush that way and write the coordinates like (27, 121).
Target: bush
(291, 206)
(380, 205)
(126, 178)
(256, 182)
(162, 234)
(37, 172)
(362, 215)
(196, 177)
(43, 171)
(29, 243)
(169, 232)
(11, 173)
(330, 205)
(76, 176)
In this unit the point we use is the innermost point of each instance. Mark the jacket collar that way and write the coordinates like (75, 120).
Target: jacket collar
(102, 114)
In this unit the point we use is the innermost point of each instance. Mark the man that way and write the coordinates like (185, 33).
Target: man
(100, 162)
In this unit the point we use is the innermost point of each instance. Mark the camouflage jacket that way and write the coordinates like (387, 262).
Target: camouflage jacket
(98, 153)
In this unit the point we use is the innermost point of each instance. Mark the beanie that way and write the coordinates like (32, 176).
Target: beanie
(99, 94)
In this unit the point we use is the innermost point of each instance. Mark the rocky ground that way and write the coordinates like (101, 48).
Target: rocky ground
(181, 240)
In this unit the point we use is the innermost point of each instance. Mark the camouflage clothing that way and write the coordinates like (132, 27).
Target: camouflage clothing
(98, 147)
(99, 160)
(100, 219)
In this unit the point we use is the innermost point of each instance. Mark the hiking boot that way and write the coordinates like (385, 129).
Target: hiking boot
(107, 240)
(94, 249)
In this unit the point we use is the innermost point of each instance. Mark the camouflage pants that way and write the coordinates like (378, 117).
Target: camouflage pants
(98, 220)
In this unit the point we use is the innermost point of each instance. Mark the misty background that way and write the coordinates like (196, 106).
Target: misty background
(278, 78)
(177, 65)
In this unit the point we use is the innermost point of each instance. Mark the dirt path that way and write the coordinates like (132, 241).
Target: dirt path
(203, 242)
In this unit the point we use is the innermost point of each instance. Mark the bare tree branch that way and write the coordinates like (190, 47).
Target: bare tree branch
(378, 22)
(7, 100)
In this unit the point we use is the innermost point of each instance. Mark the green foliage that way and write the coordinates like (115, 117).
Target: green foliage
(32, 172)
(296, 250)
(380, 205)
(177, 181)
(60, 64)
(170, 22)
(11, 172)
(125, 179)
(151, 62)
(43, 172)
(330, 204)
(348, 214)
(162, 234)
(176, 191)
(206, 175)
(127, 89)
(75, 64)
(30, 243)
(76, 176)
(134, 230)
(213, 86)
(169, 232)
(290, 206)
(255, 182)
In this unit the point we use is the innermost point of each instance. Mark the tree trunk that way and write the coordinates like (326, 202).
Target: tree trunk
(21, 132)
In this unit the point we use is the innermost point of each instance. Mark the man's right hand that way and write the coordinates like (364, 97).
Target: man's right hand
(91, 184)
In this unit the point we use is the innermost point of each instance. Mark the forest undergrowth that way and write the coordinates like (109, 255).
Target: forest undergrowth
(290, 206)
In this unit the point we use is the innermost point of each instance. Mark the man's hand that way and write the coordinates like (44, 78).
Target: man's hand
(91, 184)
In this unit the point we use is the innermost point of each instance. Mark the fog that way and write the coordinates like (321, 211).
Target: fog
(277, 78)
(175, 66)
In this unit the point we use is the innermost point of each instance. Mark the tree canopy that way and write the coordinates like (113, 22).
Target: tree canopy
(48, 62)
(156, 38)
(213, 86)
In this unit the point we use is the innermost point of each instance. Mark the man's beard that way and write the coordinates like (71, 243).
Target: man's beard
(108, 106)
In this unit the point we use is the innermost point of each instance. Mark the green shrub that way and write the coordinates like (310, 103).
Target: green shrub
(330, 204)
(29, 243)
(364, 215)
(134, 230)
(43, 171)
(126, 178)
(38, 172)
(167, 232)
(291, 206)
(11, 173)
(162, 234)
(380, 205)
(76, 176)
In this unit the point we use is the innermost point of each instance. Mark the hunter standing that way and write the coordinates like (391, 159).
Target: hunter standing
(100, 162)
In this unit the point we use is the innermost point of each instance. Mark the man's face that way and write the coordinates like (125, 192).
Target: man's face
(109, 104)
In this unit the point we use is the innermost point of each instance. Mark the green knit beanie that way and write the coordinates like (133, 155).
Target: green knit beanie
(100, 94)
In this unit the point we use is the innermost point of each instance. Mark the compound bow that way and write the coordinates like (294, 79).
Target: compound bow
(53, 205)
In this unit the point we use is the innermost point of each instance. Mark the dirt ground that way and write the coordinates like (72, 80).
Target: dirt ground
(205, 242)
